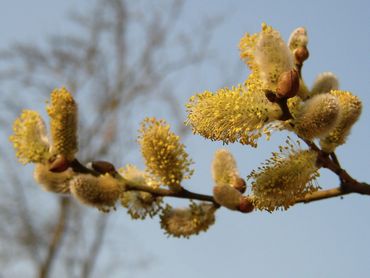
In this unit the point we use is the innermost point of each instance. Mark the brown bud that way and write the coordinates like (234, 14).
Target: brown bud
(59, 164)
(301, 54)
(288, 84)
(246, 204)
(103, 167)
(239, 184)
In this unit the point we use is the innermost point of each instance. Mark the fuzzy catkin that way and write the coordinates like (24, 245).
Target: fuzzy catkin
(102, 191)
(185, 222)
(298, 38)
(224, 169)
(267, 55)
(317, 117)
(350, 111)
(227, 196)
(52, 182)
(324, 83)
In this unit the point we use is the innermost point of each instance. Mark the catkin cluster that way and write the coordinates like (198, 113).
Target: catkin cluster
(243, 113)
(273, 97)
(54, 157)
(98, 184)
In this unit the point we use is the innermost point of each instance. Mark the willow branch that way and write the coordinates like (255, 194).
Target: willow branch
(183, 193)
(348, 185)
(321, 195)
(157, 191)
(333, 156)
(360, 188)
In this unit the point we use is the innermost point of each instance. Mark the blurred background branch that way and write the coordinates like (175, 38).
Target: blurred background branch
(120, 60)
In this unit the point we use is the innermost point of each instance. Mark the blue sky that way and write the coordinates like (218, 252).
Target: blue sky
(321, 239)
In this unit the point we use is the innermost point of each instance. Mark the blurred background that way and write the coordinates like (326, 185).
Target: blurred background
(124, 60)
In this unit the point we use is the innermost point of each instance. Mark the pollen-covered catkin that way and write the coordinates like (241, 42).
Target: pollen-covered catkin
(140, 204)
(267, 55)
(29, 138)
(164, 154)
(62, 111)
(232, 115)
(317, 117)
(132, 174)
(350, 111)
(284, 178)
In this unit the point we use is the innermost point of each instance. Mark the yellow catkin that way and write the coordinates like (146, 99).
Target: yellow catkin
(283, 178)
(62, 111)
(140, 204)
(224, 169)
(317, 117)
(295, 105)
(132, 174)
(350, 111)
(29, 138)
(185, 222)
(164, 154)
(267, 55)
(232, 115)
(53, 182)
(101, 192)
(135, 176)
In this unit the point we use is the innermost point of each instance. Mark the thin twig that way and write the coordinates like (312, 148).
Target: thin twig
(334, 158)
(183, 193)
(330, 161)
(321, 195)
(360, 188)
